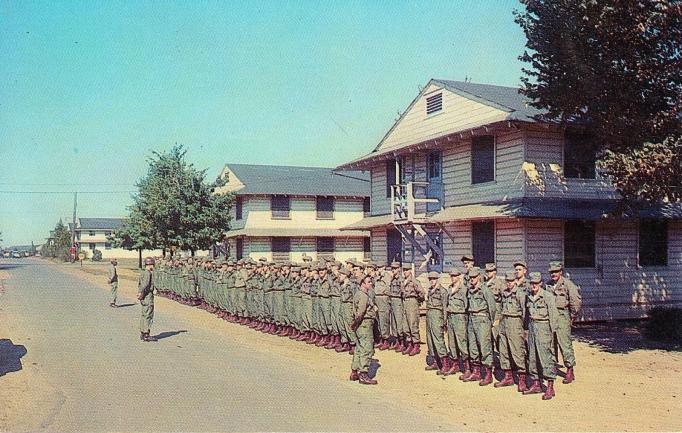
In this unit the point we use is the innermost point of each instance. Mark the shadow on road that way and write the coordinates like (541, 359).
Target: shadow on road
(168, 334)
(10, 356)
(125, 305)
(619, 337)
(373, 368)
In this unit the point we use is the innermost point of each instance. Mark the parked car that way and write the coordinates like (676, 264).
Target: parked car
(7, 254)
(16, 254)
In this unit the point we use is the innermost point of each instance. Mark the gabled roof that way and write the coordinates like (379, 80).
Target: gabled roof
(100, 223)
(305, 181)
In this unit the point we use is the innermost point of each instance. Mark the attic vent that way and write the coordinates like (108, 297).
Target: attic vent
(434, 103)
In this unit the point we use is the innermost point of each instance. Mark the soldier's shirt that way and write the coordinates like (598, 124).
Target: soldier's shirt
(144, 283)
(542, 307)
(513, 302)
(567, 293)
(363, 306)
(481, 299)
(457, 298)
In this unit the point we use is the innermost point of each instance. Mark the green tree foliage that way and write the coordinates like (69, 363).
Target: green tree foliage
(616, 68)
(59, 243)
(175, 207)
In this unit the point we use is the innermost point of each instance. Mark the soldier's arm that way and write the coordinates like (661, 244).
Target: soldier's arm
(490, 300)
(553, 312)
(363, 302)
(575, 298)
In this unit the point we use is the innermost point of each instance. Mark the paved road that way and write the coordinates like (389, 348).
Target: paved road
(199, 380)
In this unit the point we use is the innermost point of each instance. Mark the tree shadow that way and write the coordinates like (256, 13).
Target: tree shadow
(622, 336)
(10, 356)
(125, 305)
(167, 334)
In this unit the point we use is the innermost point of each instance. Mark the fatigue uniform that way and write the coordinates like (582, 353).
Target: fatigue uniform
(496, 285)
(335, 307)
(413, 296)
(384, 307)
(296, 303)
(113, 281)
(457, 322)
(278, 300)
(395, 294)
(481, 311)
(436, 304)
(512, 344)
(543, 321)
(324, 302)
(268, 297)
(364, 311)
(240, 292)
(306, 305)
(347, 292)
(568, 302)
(145, 289)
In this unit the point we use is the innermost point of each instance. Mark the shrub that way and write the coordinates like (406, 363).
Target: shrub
(665, 324)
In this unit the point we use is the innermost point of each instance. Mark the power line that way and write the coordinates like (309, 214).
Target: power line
(66, 192)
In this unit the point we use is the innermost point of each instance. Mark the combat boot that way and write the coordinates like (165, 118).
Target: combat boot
(475, 375)
(385, 344)
(444, 367)
(416, 349)
(432, 366)
(535, 388)
(488, 379)
(352, 349)
(142, 336)
(407, 349)
(354, 375)
(522, 383)
(365, 379)
(549, 392)
(454, 366)
(570, 377)
(399, 347)
(331, 344)
(508, 380)
(392, 344)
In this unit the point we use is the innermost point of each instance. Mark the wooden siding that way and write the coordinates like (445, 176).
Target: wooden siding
(257, 247)
(458, 113)
(379, 204)
(378, 245)
(509, 244)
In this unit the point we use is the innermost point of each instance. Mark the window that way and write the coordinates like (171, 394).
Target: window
(579, 244)
(366, 247)
(107, 234)
(390, 176)
(325, 208)
(240, 248)
(92, 245)
(366, 208)
(91, 233)
(281, 247)
(238, 208)
(434, 165)
(434, 103)
(579, 155)
(107, 245)
(325, 246)
(653, 242)
(483, 159)
(483, 242)
(280, 206)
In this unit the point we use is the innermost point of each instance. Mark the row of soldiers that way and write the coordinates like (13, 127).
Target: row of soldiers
(519, 319)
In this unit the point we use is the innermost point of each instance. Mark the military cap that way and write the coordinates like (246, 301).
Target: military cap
(306, 258)
(370, 264)
(433, 275)
(474, 272)
(305, 266)
(535, 277)
(555, 266)
(467, 258)
(521, 262)
(344, 271)
(509, 276)
(338, 263)
(240, 262)
(295, 269)
(490, 267)
(395, 265)
(351, 260)
(407, 266)
(455, 271)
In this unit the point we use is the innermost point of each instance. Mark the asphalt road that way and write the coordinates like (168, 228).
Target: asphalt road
(105, 379)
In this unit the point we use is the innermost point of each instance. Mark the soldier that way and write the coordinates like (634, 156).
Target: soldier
(481, 310)
(384, 314)
(436, 326)
(521, 270)
(267, 284)
(338, 338)
(543, 319)
(496, 285)
(306, 306)
(145, 294)
(568, 303)
(467, 263)
(395, 294)
(364, 314)
(324, 294)
(457, 322)
(113, 281)
(346, 293)
(512, 344)
(240, 277)
(413, 296)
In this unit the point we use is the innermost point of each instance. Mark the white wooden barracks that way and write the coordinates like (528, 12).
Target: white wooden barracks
(466, 169)
(283, 212)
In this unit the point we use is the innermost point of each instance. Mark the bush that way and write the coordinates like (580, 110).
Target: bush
(96, 256)
(665, 324)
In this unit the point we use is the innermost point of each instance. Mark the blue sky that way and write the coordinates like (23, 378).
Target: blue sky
(89, 89)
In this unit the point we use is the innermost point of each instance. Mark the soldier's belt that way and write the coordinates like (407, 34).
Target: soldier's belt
(517, 316)
(538, 319)
(457, 312)
(395, 297)
(335, 296)
(435, 308)
(377, 295)
(478, 313)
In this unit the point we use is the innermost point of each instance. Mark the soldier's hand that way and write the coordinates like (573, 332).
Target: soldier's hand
(525, 335)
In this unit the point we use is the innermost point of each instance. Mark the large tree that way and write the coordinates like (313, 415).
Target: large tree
(58, 243)
(614, 67)
(175, 207)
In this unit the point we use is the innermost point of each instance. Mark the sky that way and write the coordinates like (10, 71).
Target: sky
(88, 90)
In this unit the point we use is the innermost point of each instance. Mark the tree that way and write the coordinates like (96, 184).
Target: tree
(58, 244)
(175, 208)
(615, 68)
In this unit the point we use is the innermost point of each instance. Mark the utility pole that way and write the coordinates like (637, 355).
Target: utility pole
(73, 225)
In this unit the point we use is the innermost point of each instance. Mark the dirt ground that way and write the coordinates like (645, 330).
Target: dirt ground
(623, 383)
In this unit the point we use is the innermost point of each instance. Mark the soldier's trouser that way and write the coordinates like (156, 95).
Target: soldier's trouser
(286, 315)
(260, 304)
(384, 316)
(325, 316)
(231, 300)
(114, 291)
(147, 317)
(435, 337)
(241, 301)
(512, 344)
(411, 309)
(563, 339)
(335, 307)
(540, 350)
(457, 335)
(278, 307)
(364, 349)
(268, 307)
(306, 313)
(295, 311)
(397, 317)
(347, 319)
(315, 312)
(480, 340)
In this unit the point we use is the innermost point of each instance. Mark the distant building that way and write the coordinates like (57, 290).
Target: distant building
(281, 213)
(95, 233)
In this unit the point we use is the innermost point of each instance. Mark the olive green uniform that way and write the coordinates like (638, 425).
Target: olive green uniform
(347, 293)
(364, 311)
(457, 321)
(436, 304)
(568, 302)
(113, 281)
(145, 290)
(395, 294)
(413, 296)
(481, 311)
(543, 320)
(512, 344)
(384, 307)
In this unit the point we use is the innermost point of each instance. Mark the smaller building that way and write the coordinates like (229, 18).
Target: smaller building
(282, 212)
(96, 233)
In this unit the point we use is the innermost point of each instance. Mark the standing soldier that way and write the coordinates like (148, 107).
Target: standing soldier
(335, 296)
(395, 294)
(568, 302)
(543, 319)
(481, 309)
(364, 314)
(346, 293)
(384, 307)
(413, 296)
(306, 306)
(468, 263)
(324, 292)
(145, 294)
(436, 326)
(267, 283)
(113, 281)
(457, 323)
(512, 345)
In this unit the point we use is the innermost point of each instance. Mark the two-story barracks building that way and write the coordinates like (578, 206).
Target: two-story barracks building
(467, 169)
(281, 212)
